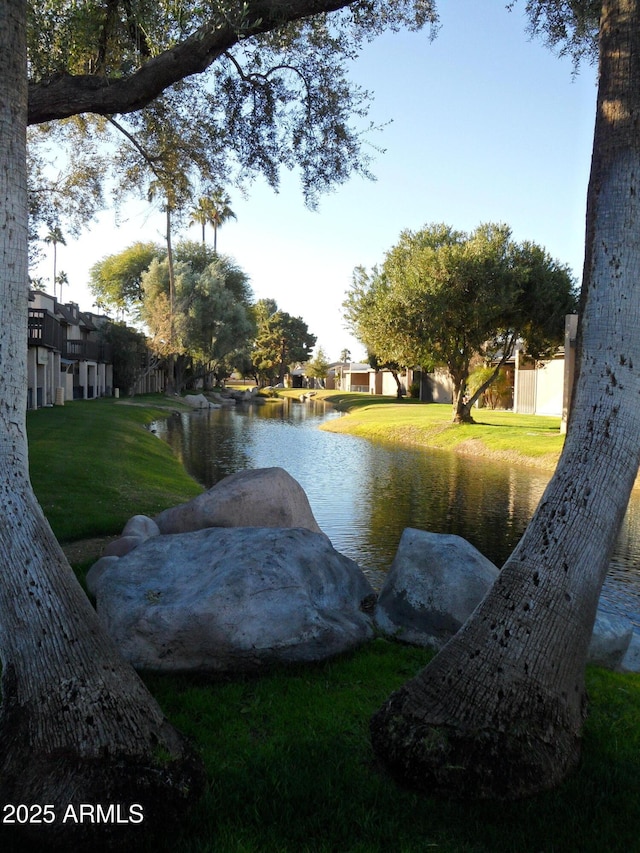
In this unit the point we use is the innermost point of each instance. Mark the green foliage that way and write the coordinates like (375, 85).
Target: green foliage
(67, 190)
(499, 392)
(213, 210)
(210, 324)
(116, 280)
(129, 354)
(569, 27)
(444, 297)
(281, 341)
(279, 99)
(318, 367)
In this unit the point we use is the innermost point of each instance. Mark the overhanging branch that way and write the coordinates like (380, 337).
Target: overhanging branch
(66, 95)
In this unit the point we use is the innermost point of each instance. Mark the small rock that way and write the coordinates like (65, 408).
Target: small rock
(142, 526)
(610, 640)
(631, 661)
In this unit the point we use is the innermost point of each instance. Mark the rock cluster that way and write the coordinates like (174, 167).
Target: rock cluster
(236, 579)
(242, 577)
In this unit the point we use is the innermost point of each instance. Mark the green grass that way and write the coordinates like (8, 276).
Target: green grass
(94, 465)
(291, 770)
(289, 763)
(528, 439)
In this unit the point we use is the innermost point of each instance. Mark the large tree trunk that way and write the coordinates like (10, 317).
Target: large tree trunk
(77, 725)
(499, 711)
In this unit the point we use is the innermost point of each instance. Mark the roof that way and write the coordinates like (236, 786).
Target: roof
(355, 367)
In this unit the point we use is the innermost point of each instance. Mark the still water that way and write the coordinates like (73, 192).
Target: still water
(364, 494)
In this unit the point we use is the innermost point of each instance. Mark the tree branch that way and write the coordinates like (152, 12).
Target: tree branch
(65, 95)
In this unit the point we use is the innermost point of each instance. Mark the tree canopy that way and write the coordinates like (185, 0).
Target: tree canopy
(281, 341)
(179, 100)
(210, 325)
(116, 280)
(443, 297)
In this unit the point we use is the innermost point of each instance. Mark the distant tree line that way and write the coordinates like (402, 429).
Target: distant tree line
(204, 326)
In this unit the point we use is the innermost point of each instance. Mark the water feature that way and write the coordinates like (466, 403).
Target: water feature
(364, 494)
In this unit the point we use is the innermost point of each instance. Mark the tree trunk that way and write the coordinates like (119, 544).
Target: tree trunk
(171, 388)
(499, 712)
(394, 373)
(461, 406)
(76, 724)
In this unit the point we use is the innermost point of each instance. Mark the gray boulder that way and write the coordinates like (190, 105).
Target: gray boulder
(610, 640)
(199, 401)
(137, 530)
(141, 526)
(631, 660)
(233, 600)
(96, 571)
(120, 547)
(435, 582)
(262, 497)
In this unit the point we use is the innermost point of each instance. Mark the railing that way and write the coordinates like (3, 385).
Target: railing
(44, 330)
(87, 351)
(361, 388)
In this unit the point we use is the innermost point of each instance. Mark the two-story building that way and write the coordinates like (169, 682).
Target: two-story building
(67, 360)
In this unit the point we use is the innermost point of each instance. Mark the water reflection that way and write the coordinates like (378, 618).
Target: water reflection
(364, 494)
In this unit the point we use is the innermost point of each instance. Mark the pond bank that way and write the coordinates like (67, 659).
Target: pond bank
(531, 440)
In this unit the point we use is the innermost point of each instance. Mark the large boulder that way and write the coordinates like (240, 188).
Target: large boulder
(435, 582)
(261, 497)
(631, 660)
(610, 640)
(233, 600)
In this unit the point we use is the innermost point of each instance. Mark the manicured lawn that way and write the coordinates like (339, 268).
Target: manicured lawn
(527, 439)
(94, 465)
(291, 770)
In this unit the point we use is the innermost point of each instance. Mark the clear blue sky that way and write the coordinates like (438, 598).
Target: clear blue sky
(487, 125)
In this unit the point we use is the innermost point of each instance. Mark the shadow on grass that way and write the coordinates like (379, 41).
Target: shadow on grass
(291, 770)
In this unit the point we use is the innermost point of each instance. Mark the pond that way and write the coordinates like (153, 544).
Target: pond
(363, 494)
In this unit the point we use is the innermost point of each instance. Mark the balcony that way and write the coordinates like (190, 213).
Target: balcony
(44, 330)
(84, 350)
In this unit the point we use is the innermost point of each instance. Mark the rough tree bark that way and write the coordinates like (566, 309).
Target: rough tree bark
(77, 724)
(499, 712)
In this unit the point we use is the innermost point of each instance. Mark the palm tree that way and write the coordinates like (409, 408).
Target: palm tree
(54, 237)
(61, 278)
(201, 214)
(215, 211)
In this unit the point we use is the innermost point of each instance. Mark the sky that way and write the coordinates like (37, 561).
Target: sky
(483, 124)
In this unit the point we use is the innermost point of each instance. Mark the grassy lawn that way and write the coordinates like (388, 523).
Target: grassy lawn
(290, 769)
(94, 465)
(526, 439)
